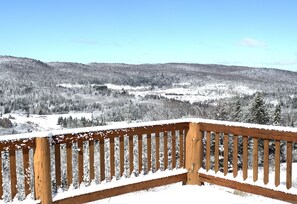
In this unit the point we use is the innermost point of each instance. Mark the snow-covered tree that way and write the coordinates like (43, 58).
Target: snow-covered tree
(258, 111)
(236, 111)
(277, 115)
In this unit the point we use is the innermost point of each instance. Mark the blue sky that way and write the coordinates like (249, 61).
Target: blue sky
(238, 32)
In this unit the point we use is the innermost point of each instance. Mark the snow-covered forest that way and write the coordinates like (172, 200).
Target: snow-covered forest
(146, 92)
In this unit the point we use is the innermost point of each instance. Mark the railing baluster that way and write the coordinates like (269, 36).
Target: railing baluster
(26, 171)
(131, 154)
(80, 162)
(245, 157)
(165, 149)
(266, 161)
(235, 156)
(277, 163)
(157, 151)
(69, 162)
(122, 156)
(289, 166)
(226, 151)
(255, 159)
(217, 152)
(13, 174)
(140, 153)
(181, 149)
(1, 172)
(58, 165)
(102, 159)
(207, 151)
(91, 160)
(149, 152)
(173, 148)
(112, 166)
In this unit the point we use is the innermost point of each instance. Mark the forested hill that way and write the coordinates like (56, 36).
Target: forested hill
(23, 71)
(147, 91)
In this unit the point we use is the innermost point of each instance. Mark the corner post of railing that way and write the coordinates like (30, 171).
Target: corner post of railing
(194, 153)
(42, 178)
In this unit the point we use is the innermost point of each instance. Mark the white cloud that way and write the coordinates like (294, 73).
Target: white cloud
(250, 42)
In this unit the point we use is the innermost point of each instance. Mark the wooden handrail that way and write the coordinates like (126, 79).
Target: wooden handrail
(114, 152)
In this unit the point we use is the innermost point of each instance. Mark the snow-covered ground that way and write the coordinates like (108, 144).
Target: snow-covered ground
(188, 92)
(43, 122)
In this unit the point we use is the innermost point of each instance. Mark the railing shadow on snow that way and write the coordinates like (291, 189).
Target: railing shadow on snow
(86, 164)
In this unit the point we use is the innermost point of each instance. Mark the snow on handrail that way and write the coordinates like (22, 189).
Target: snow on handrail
(143, 124)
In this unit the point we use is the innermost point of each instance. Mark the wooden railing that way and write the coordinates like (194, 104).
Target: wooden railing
(52, 167)
(244, 148)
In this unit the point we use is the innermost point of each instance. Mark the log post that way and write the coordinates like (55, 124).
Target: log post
(193, 153)
(43, 190)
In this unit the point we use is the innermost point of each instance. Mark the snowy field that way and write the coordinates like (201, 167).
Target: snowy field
(37, 123)
(186, 92)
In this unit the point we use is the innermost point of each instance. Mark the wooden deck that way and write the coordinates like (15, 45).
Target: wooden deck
(79, 158)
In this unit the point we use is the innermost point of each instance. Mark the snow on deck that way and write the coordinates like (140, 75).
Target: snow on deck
(178, 193)
(116, 183)
(260, 182)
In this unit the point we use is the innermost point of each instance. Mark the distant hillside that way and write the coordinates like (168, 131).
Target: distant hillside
(25, 70)
(167, 90)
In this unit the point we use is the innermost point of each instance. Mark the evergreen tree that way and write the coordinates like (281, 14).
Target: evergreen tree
(236, 111)
(277, 115)
(60, 120)
(259, 115)
(220, 112)
(258, 111)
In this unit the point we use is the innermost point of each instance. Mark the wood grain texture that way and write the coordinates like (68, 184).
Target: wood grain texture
(277, 163)
(58, 164)
(13, 173)
(80, 162)
(149, 152)
(289, 166)
(1, 172)
(69, 163)
(207, 163)
(266, 162)
(139, 153)
(91, 160)
(165, 150)
(131, 155)
(26, 170)
(157, 151)
(245, 158)
(217, 152)
(173, 149)
(42, 177)
(255, 159)
(226, 151)
(235, 156)
(102, 160)
(194, 153)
